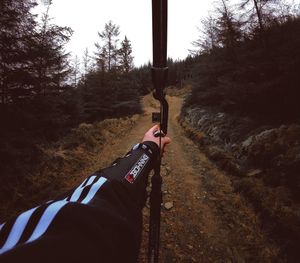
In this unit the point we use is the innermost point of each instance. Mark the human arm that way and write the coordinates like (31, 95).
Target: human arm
(98, 220)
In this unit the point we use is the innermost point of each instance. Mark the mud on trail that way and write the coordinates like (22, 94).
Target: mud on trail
(203, 220)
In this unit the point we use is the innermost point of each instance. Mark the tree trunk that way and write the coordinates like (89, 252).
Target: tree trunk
(259, 15)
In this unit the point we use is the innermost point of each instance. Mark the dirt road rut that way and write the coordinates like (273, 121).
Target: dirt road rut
(203, 219)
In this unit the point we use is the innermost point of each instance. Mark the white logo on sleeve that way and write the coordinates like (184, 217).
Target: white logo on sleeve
(137, 168)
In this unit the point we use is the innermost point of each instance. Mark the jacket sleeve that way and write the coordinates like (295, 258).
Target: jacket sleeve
(100, 220)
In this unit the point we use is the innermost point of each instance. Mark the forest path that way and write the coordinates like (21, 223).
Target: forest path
(208, 221)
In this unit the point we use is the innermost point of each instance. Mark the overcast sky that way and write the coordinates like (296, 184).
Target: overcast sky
(87, 17)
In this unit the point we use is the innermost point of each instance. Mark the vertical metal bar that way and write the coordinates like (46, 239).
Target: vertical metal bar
(159, 75)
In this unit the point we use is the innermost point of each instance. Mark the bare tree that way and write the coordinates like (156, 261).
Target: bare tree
(207, 42)
(261, 9)
(283, 10)
(76, 70)
(220, 29)
(86, 60)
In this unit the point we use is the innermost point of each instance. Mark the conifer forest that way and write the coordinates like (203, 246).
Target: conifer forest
(234, 120)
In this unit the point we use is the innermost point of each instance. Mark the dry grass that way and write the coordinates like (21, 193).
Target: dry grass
(63, 165)
(275, 204)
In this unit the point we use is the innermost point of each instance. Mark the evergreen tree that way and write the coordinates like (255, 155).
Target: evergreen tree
(107, 53)
(126, 59)
(48, 57)
(17, 25)
(228, 28)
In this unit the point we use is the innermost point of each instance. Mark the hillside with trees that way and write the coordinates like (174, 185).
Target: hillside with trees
(58, 113)
(44, 94)
(245, 103)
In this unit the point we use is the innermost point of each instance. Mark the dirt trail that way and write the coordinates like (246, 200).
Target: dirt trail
(208, 221)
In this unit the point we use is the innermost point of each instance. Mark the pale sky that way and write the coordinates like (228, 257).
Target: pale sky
(87, 17)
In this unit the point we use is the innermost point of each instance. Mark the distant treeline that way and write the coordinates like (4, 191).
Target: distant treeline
(44, 93)
(247, 61)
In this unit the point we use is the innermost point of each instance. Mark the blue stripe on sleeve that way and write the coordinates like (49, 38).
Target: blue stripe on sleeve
(75, 196)
(49, 214)
(17, 230)
(94, 189)
(46, 219)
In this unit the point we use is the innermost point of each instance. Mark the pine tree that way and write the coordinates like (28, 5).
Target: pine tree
(49, 60)
(107, 52)
(17, 25)
(228, 28)
(126, 59)
(101, 58)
